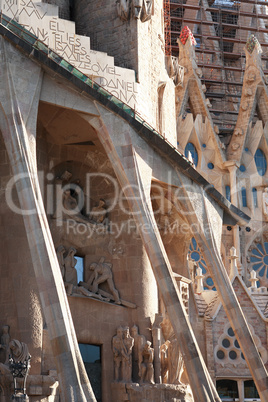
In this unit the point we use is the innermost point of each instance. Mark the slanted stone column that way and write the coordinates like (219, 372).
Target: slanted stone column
(20, 86)
(135, 176)
(202, 212)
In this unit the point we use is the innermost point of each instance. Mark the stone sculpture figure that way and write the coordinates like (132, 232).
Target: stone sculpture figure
(123, 8)
(175, 362)
(60, 255)
(192, 265)
(67, 266)
(164, 362)
(98, 214)
(147, 367)
(70, 263)
(139, 342)
(117, 344)
(265, 201)
(103, 273)
(126, 352)
(19, 351)
(5, 339)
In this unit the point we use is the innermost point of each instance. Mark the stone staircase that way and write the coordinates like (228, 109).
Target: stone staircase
(42, 20)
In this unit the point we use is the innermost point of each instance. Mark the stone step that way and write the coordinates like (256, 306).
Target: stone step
(42, 20)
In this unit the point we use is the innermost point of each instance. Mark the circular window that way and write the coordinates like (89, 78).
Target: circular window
(230, 331)
(233, 354)
(242, 168)
(226, 343)
(196, 255)
(220, 354)
(190, 148)
(260, 161)
(236, 344)
(259, 261)
(210, 165)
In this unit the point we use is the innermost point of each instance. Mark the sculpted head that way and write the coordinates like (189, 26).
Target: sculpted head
(119, 331)
(134, 330)
(126, 332)
(93, 266)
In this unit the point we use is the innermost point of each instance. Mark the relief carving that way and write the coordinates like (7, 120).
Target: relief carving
(101, 273)
(238, 131)
(147, 367)
(67, 264)
(99, 213)
(122, 350)
(123, 9)
(141, 9)
(265, 202)
(139, 342)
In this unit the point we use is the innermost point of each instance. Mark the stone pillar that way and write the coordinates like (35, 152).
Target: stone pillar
(156, 333)
(232, 167)
(241, 392)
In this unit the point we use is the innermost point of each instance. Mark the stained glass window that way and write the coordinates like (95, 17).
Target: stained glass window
(192, 149)
(260, 161)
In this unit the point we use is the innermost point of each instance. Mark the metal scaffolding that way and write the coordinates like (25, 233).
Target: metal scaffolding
(167, 24)
(221, 29)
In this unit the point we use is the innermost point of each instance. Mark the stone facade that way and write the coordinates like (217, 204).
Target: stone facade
(134, 254)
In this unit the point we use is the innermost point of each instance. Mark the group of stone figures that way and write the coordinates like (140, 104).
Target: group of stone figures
(139, 9)
(124, 346)
(101, 272)
(133, 354)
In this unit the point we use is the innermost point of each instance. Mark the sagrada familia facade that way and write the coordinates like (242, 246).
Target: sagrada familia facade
(134, 201)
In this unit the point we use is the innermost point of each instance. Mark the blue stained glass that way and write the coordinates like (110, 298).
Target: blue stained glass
(204, 145)
(228, 193)
(192, 149)
(244, 197)
(255, 198)
(256, 252)
(260, 248)
(204, 271)
(194, 243)
(262, 271)
(195, 256)
(210, 281)
(257, 266)
(260, 161)
(246, 149)
(242, 168)
(265, 260)
(255, 259)
(266, 247)
(210, 165)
